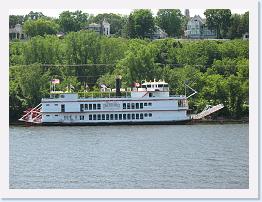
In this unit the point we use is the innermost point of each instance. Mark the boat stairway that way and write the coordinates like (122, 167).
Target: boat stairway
(207, 111)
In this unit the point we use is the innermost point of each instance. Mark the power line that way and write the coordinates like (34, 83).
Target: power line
(112, 64)
(65, 65)
(76, 65)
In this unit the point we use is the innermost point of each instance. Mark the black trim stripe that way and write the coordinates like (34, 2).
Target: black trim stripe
(178, 122)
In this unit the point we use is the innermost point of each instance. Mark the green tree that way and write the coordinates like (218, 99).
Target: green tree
(138, 63)
(199, 53)
(16, 101)
(224, 67)
(72, 21)
(15, 19)
(116, 22)
(34, 16)
(167, 50)
(44, 50)
(214, 90)
(219, 20)
(16, 53)
(234, 49)
(239, 25)
(33, 83)
(235, 96)
(84, 47)
(140, 24)
(40, 27)
(112, 49)
(235, 30)
(245, 22)
(170, 20)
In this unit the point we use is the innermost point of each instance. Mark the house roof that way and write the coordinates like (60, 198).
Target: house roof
(105, 22)
(198, 18)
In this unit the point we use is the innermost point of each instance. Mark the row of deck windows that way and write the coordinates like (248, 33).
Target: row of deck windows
(110, 116)
(154, 86)
(49, 105)
(136, 105)
(118, 116)
(90, 107)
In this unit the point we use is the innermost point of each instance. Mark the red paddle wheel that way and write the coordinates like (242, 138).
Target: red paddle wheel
(32, 115)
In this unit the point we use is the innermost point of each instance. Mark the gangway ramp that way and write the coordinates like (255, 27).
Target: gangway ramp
(207, 111)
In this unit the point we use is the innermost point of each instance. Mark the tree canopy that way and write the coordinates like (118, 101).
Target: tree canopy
(140, 24)
(15, 19)
(239, 25)
(116, 22)
(219, 20)
(72, 21)
(40, 27)
(219, 70)
(170, 20)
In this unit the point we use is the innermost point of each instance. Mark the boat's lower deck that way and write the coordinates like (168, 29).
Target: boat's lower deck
(115, 117)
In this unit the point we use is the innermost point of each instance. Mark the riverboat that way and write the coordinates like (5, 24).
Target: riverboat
(147, 103)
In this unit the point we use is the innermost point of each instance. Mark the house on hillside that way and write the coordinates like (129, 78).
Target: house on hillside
(197, 29)
(16, 32)
(102, 28)
(158, 33)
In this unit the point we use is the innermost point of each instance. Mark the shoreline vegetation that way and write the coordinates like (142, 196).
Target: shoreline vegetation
(217, 69)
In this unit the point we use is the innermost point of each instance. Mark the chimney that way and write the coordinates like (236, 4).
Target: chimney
(118, 86)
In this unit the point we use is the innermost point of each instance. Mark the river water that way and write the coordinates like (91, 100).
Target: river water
(157, 157)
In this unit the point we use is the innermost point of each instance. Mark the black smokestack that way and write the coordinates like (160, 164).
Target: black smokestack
(118, 86)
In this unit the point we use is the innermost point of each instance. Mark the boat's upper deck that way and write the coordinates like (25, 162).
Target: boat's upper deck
(148, 90)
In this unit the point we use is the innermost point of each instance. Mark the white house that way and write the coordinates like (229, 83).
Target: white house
(106, 28)
(16, 32)
(197, 29)
(103, 28)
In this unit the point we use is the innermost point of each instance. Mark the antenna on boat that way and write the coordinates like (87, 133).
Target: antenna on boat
(194, 91)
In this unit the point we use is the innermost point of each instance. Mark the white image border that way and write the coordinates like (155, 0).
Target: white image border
(252, 192)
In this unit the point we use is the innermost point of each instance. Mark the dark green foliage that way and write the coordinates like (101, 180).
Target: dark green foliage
(199, 53)
(171, 21)
(140, 24)
(234, 49)
(219, 20)
(34, 16)
(72, 21)
(44, 50)
(40, 27)
(15, 19)
(28, 84)
(217, 70)
(239, 25)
